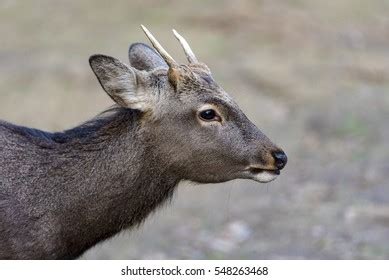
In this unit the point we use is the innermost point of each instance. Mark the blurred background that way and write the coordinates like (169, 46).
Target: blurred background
(313, 75)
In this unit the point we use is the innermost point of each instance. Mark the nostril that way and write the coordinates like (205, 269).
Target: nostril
(280, 159)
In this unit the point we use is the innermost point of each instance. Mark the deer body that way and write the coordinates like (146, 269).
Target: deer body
(62, 193)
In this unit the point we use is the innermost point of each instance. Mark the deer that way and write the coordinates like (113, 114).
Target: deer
(62, 193)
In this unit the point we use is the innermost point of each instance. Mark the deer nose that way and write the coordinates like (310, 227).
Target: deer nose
(280, 159)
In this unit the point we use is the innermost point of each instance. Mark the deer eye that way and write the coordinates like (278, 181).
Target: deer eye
(209, 115)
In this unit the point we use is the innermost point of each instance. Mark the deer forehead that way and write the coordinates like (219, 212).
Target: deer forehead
(195, 85)
(204, 91)
(199, 82)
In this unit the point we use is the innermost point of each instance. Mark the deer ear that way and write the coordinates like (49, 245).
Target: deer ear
(143, 57)
(120, 82)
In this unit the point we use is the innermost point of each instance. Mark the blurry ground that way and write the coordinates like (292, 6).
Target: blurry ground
(314, 75)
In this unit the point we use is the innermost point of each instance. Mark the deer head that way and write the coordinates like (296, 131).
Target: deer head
(198, 131)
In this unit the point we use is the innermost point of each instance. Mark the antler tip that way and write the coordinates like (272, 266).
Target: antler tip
(176, 34)
(188, 51)
(145, 30)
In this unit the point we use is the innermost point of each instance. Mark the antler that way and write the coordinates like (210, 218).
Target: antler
(188, 51)
(169, 60)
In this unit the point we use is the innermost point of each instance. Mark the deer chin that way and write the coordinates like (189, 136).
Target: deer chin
(263, 175)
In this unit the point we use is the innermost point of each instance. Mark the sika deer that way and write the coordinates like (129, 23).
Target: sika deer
(61, 193)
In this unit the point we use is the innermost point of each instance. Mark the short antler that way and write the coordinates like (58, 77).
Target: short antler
(169, 60)
(188, 51)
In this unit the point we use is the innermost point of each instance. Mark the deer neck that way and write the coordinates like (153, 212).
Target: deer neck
(119, 183)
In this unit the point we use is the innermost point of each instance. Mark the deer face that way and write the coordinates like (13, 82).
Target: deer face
(199, 131)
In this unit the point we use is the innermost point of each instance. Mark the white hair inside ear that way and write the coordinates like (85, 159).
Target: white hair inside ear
(120, 82)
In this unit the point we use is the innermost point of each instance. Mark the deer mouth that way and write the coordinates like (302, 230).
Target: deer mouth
(263, 175)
